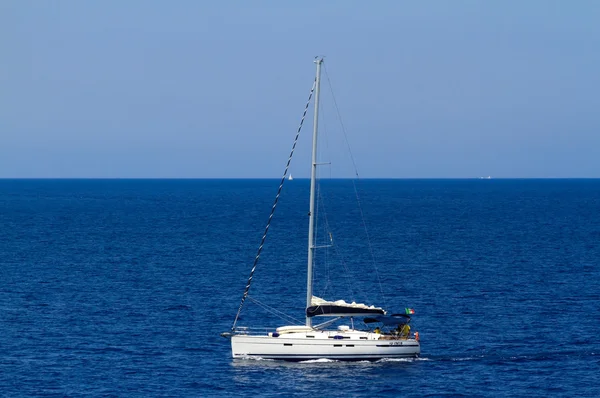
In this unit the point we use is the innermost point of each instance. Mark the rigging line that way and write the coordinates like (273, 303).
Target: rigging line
(369, 244)
(327, 242)
(264, 237)
(341, 121)
(323, 154)
(320, 209)
(323, 150)
(354, 184)
(274, 311)
(347, 274)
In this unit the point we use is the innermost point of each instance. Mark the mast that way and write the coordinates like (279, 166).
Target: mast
(313, 177)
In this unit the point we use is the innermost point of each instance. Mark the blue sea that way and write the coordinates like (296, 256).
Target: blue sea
(122, 287)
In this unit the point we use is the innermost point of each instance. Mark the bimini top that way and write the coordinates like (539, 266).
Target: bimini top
(322, 307)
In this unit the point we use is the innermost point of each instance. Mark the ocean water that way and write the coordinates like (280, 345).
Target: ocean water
(122, 287)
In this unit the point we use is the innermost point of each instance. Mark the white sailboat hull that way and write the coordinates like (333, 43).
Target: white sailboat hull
(354, 345)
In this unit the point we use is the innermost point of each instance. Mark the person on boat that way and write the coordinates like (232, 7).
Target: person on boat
(377, 330)
(405, 330)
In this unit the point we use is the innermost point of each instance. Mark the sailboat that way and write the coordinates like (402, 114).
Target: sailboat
(290, 178)
(390, 339)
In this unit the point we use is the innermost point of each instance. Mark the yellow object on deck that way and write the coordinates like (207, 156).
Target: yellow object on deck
(405, 331)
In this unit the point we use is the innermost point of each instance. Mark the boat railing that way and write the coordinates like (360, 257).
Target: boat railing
(252, 331)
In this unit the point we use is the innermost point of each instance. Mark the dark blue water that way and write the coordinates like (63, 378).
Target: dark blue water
(121, 287)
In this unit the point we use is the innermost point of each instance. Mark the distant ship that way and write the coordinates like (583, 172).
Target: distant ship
(485, 178)
(290, 178)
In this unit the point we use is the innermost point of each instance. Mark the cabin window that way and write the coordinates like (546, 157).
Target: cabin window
(363, 338)
(310, 337)
(337, 345)
(349, 345)
(288, 344)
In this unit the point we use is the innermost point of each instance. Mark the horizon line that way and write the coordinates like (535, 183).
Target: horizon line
(299, 178)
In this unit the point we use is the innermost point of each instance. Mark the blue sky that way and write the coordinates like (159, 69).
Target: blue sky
(216, 89)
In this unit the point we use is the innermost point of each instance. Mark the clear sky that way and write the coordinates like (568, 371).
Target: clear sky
(216, 88)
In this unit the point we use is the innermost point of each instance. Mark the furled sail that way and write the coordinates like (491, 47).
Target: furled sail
(320, 307)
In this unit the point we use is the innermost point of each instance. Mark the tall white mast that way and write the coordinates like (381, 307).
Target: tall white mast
(313, 178)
